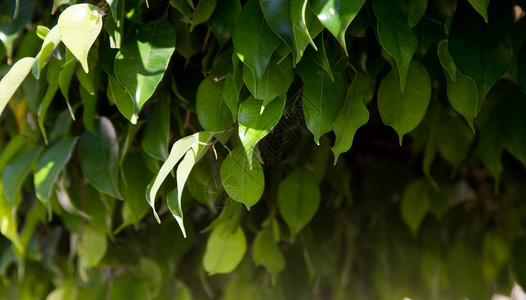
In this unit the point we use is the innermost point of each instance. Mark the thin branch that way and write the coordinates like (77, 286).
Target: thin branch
(222, 133)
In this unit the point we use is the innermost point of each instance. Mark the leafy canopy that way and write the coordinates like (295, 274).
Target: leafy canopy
(262, 149)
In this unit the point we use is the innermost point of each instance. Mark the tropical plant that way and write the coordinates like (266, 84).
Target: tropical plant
(262, 149)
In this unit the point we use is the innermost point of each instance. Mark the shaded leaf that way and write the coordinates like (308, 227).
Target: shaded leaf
(352, 116)
(254, 42)
(242, 183)
(99, 157)
(395, 35)
(266, 251)
(404, 111)
(298, 199)
(277, 14)
(50, 166)
(155, 139)
(16, 171)
(415, 204)
(212, 111)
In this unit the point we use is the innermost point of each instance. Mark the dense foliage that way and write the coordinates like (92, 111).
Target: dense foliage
(328, 149)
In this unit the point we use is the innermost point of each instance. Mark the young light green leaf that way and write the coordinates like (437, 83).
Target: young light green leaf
(16, 171)
(183, 171)
(179, 149)
(404, 111)
(337, 16)
(50, 166)
(415, 204)
(482, 7)
(79, 25)
(254, 125)
(277, 14)
(224, 250)
(275, 81)
(266, 252)
(212, 111)
(142, 60)
(352, 116)
(155, 139)
(99, 157)
(298, 199)
(92, 246)
(242, 183)
(481, 51)
(254, 42)
(322, 98)
(12, 80)
(50, 43)
(395, 35)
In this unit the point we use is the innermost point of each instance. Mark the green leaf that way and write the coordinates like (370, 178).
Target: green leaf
(415, 204)
(79, 25)
(50, 166)
(277, 14)
(322, 98)
(99, 157)
(254, 125)
(155, 139)
(275, 81)
(482, 51)
(16, 171)
(223, 20)
(254, 42)
(142, 60)
(52, 78)
(404, 111)
(352, 116)
(242, 183)
(135, 179)
(461, 90)
(415, 10)
(202, 12)
(298, 17)
(12, 80)
(337, 15)
(320, 56)
(128, 287)
(482, 7)
(113, 6)
(453, 139)
(305, 26)
(232, 88)
(212, 111)
(518, 261)
(50, 43)
(465, 272)
(92, 246)
(224, 250)
(11, 149)
(266, 252)
(121, 98)
(298, 199)
(395, 35)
